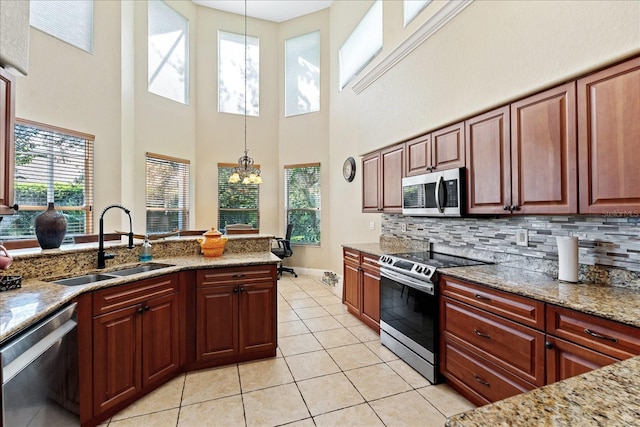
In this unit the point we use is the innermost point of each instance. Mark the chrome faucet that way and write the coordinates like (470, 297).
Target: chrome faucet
(101, 255)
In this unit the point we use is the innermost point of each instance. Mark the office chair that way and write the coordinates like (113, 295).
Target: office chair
(284, 251)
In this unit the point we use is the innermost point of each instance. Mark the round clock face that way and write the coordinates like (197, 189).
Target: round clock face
(349, 169)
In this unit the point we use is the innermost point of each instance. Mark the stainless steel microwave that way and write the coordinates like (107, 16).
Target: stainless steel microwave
(441, 193)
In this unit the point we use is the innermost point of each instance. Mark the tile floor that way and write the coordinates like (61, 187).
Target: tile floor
(330, 370)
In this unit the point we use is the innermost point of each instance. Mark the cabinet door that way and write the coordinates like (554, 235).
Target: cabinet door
(371, 298)
(608, 135)
(371, 183)
(392, 164)
(488, 156)
(117, 351)
(351, 286)
(217, 322)
(447, 147)
(565, 359)
(160, 338)
(257, 317)
(7, 145)
(418, 155)
(544, 153)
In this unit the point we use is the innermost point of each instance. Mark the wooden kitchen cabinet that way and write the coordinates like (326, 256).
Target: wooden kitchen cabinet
(608, 148)
(235, 314)
(7, 143)
(135, 340)
(566, 359)
(361, 286)
(382, 180)
(439, 150)
(522, 158)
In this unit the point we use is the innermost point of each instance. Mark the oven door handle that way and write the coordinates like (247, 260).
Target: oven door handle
(407, 281)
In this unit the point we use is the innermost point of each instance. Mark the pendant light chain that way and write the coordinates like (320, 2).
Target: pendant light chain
(245, 78)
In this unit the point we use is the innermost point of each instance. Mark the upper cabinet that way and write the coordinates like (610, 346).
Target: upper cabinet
(440, 150)
(609, 140)
(382, 180)
(522, 158)
(7, 144)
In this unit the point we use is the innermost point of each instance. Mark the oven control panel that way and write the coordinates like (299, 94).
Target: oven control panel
(411, 268)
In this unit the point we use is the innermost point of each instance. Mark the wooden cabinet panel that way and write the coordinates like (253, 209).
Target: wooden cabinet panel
(609, 131)
(544, 152)
(418, 155)
(488, 159)
(257, 317)
(361, 286)
(7, 143)
(448, 147)
(371, 183)
(110, 299)
(351, 287)
(566, 360)
(217, 322)
(161, 340)
(225, 276)
(392, 164)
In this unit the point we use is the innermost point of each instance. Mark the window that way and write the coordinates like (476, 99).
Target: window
(51, 165)
(302, 202)
(167, 194)
(231, 74)
(302, 74)
(412, 8)
(168, 56)
(362, 45)
(68, 20)
(237, 203)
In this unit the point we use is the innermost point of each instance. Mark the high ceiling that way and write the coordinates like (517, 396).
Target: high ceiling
(270, 10)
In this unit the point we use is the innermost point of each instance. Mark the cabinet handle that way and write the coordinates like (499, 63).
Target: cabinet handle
(146, 308)
(235, 290)
(597, 335)
(139, 309)
(481, 381)
(15, 207)
(505, 208)
(515, 208)
(480, 334)
(239, 276)
(482, 297)
(241, 289)
(548, 345)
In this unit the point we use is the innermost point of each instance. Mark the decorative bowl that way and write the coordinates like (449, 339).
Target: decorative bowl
(212, 243)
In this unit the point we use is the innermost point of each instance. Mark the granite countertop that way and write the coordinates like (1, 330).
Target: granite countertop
(20, 308)
(375, 248)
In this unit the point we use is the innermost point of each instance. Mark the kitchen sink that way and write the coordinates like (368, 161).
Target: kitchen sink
(140, 269)
(84, 280)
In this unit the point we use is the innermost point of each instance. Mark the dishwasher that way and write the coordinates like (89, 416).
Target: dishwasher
(40, 385)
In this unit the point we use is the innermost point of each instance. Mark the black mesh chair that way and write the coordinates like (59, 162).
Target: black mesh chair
(284, 251)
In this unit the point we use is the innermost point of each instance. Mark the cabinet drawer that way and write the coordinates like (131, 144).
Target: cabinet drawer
(370, 264)
(118, 297)
(481, 379)
(351, 256)
(606, 336)
(235, 275)
(515, 307)
(510, 345)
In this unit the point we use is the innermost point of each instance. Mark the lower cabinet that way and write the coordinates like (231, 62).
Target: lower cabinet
(361, 286)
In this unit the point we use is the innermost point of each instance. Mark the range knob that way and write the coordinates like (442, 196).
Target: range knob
(419, 269)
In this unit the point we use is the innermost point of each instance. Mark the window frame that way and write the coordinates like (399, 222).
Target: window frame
(254, 110)
(185, 195)
(409, 13)
(220, 209)
(317, 209)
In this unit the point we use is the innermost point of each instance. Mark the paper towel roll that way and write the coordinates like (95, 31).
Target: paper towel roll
(567, 258)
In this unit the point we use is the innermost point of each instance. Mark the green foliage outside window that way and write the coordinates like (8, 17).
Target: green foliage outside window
(237, 203)
(302, 188)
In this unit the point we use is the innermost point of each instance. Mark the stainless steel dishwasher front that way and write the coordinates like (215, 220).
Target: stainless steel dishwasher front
(40, 373)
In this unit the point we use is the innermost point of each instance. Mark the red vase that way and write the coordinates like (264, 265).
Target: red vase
(51, 228)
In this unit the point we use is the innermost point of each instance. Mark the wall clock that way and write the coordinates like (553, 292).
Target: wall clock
(349, 169)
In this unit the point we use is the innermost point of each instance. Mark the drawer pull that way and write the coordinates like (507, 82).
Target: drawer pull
(597, 335)
(482, 297)
(239, 276)
(481, 381)
(480, 334)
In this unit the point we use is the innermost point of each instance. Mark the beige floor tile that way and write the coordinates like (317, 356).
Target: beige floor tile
(311, 312)
(274, 406)
(353, 356)
(287, 315)
(287, 329)
(328, 300)
(336, 309)
(348, 320)
(329, 393)
(307, 422)
(298, 344)
(318, 293)
(381, 351)
(325, 323)
(355, 416)
(408, 374)
(335, 338)
(304, 303)
(293, 296)
(364, 333)
(263, 374)
(167, 418)
(377, 381)
(227, 411)
(310, 365)
(288, 286)
(161, 399)
(446, 399)
(407, 409)
(209, 384)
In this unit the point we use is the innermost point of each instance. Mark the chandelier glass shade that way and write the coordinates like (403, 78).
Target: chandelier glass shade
(245, 172)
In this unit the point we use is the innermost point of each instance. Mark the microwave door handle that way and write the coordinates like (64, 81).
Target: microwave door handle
(439, 183)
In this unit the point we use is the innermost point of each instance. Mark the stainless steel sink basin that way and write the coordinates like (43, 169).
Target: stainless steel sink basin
(140, 269)
(84, 280)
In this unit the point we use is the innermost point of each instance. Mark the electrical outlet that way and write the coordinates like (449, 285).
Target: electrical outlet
(372, 225)
(403, 227)
(522, 237)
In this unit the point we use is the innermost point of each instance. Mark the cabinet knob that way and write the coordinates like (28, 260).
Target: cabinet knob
(505, 208)
(147, 308)
(548, 345)
(514, 208)
(15, 207)
(139, 310)
(241, 289)
(235, 290)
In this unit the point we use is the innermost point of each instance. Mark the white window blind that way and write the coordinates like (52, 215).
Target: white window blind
(412, 8)
(168, 56)
(302, 202)
(167, 193)
(68, 20)
(362, 45)
(302, 74)
(237, 203)
(231, 74)
(51, 165)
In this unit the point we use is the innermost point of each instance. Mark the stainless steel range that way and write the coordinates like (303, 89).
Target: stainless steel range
(409, 306)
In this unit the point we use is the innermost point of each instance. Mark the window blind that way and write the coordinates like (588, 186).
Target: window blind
(302, 74)
(231, 74)
(68, 20)
(237, 203)
(302, 202)
(167, 193)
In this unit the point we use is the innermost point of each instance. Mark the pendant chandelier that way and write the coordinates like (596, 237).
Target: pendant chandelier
(245, 172)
